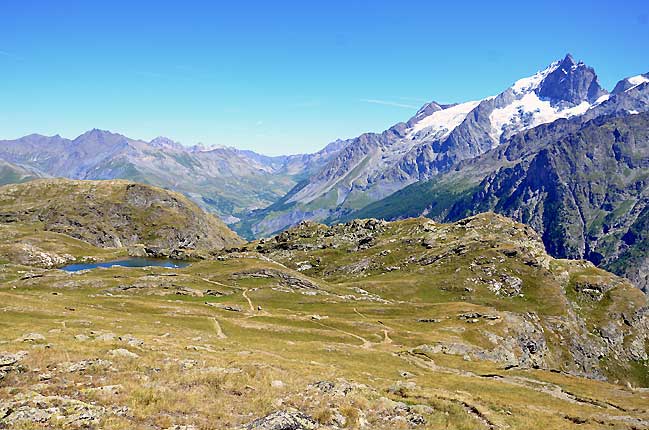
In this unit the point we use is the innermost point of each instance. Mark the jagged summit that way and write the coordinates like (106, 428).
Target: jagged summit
(97, 132)
(96, 136)
(571, 82)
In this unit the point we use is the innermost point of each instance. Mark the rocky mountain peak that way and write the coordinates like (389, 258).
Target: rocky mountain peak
(568, 61)
(97, 132)
(570, 82)
(165, 142)
(99, 136)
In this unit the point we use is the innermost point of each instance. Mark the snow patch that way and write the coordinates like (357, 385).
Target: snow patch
(636, 80)
(602, 99)
(527, 112)
(531, 83)
(444, 121)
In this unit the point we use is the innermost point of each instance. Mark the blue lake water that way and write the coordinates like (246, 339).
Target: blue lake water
(129, 262)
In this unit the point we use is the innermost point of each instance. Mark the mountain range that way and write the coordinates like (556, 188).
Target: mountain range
(373, 166)
(580, 182)
(555, 150)
(223, 180)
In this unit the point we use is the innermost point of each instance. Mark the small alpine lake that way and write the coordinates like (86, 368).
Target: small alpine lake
(128, 262)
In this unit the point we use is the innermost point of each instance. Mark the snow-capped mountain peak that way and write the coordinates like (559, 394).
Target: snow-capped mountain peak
(165, 142)
(424, 111)
(563, 89)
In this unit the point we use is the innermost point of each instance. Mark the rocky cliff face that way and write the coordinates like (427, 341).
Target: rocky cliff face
(586, 193)
(114, 214)
(572, 83)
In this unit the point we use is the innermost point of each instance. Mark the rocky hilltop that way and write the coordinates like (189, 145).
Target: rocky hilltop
(113, 214)
(553, 314)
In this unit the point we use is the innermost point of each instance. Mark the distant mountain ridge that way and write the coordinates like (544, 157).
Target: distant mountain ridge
(224, 180)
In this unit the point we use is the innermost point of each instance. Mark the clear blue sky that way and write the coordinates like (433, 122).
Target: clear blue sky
(286, 77)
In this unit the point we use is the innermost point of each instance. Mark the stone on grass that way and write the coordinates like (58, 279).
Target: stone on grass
(106, 337)
(121, 352)
(131, 340)
(31, 337)
(277, 384)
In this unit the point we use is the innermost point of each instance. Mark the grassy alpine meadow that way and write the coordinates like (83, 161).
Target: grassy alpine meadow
(224, 341)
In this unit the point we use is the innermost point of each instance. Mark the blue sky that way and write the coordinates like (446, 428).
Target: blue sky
(286, 77)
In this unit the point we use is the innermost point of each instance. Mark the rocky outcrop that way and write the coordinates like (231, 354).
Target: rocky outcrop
(357, 234)
(283, 420)
(286, 279)
(570, 315)
(31, 255)
(10, 363)
(34, 409)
